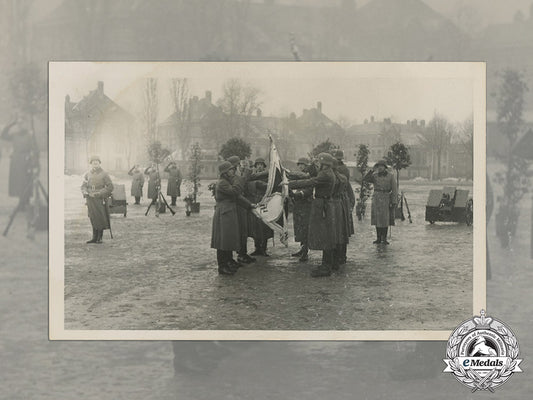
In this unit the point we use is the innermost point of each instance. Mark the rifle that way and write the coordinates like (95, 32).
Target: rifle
(408, 211)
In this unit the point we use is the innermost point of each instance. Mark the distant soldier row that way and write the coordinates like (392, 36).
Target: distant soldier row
(154, 182)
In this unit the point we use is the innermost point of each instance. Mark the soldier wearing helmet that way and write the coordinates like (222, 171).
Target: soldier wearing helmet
(96, 188)
(346, 202)
(321, 232)
(302, 199)
(242, 176)
(226, 234)
(384, 199)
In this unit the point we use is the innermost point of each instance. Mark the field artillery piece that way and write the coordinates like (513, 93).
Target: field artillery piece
(449, 205)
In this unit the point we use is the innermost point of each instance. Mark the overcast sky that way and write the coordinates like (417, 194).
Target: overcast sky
(357, 91)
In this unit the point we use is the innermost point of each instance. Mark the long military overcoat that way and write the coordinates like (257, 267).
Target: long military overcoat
(137, 183)
(385, 195)
(225, 234)
(174, 181)
(154, 181)
(96, 188)
(343, 231)
(322, 233)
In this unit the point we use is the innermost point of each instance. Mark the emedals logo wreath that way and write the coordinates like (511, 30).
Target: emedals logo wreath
(482, 353)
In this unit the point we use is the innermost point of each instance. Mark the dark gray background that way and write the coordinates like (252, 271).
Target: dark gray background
(33, 367)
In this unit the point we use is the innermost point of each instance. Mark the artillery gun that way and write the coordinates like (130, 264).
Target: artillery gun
(449, 205)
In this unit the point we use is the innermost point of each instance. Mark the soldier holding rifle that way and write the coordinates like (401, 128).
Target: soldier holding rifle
(96, 189)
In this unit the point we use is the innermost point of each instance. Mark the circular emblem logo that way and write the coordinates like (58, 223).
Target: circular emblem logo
(482, 353)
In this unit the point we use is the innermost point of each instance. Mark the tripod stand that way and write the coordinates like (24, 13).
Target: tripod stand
(160, 198)
(36, 188)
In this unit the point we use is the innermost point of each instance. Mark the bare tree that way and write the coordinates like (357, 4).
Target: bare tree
(150, 109)
(436, 139)
(238, 103)
(179, 93)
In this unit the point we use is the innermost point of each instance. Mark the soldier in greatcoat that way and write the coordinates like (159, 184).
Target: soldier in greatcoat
(242, 175)
(226, 236)
(302, 199)
(322, 234)
(384, 199)
(137, 183)
(347, 197)
(256, 188)
(154, 182)
(22, 159)
(96, 189)
(174, 182)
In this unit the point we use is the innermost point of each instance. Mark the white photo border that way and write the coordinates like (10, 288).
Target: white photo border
(57, 70)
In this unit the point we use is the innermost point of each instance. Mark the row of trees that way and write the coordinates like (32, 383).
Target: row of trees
(237, 105)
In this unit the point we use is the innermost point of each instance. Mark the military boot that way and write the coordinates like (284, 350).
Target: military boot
(95, 236)
(304, 256)
(99, 236)
(378, 236)
(225, 269)
(384, 233)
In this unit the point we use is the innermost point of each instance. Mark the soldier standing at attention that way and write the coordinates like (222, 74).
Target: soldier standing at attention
(302, 199)
(96, 188)
(154, 182)
(137, 183)
(174, 181)
(226, 236)
(383, 200)
(322, 232)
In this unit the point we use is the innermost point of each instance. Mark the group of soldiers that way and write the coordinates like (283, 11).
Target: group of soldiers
(323, 201)
(154, 182)
(97, 188)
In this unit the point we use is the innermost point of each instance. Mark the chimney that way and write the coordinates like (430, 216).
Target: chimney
(259, 113)
(208, 96)
(101, 88)
(319, 107)
(415, 122)
(372, 118)
(423, 123)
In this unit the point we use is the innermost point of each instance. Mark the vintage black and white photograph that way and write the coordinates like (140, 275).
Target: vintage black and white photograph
(267, 196)
(35, 32)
